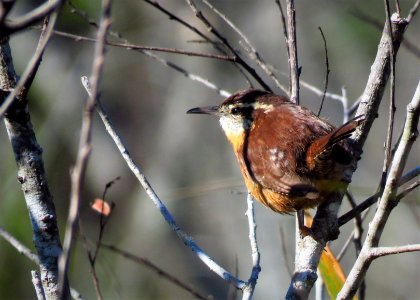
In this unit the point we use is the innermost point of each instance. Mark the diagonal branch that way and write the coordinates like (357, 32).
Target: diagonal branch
(239, 60)
(388, 200)
(204, 257)
(22, 249)
(19, 23)
(249, 48)
(325, 226)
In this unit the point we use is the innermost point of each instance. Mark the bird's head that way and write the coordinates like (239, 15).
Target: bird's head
(236, 113)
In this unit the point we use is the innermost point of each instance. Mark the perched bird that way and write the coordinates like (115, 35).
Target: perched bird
(290, 159)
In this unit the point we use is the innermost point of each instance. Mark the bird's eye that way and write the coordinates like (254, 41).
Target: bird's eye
(235, 111)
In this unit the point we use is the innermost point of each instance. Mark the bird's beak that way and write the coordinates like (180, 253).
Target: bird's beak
(208, 110)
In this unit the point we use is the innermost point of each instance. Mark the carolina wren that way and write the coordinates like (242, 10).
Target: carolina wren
(289, 158)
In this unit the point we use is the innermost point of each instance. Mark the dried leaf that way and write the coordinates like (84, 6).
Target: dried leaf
(101, 207)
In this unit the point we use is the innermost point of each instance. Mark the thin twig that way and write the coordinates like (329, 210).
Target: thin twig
(284, 26)
(388, 200)
(22, 249)
(372, 199)
(165, 62)
(384, 251)
(79, 170)
(239, 60)
(28, 156)
(249, 48)
(392, 108)
(240, 284)
(37, 282)
(408, 190)
(216, 45)
(410, 46)
(413, 11)
(10, 26)
(252, 281)
(346, 245)
(150, 265)
(357, 239)
(32, 66)
(327, 64)
(292, 45)
(92, 270)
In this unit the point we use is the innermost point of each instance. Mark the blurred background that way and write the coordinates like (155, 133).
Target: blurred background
(187, 158)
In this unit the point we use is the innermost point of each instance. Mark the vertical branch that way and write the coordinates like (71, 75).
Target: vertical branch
(325, 224)
(28, 155)
(389, 200)
(250, 286)
(78, 173)
(392, 108)
(292, 45)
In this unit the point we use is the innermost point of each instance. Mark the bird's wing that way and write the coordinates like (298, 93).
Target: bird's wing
(275, 148)
(320, 154)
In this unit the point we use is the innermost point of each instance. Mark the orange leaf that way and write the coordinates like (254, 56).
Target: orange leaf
(101, 207)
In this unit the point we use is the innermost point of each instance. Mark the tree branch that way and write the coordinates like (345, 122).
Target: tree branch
(239, 60)
(384, 251)
(78, 172)
(7, 27)
(388, 199)
(188, 241)
(325, 226)
(28, 156)
(292, 45)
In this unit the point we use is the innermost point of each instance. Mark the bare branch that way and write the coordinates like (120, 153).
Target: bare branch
(150, 265)
(325, 226)
(408, 190)
(392, 108)
(37, 282)
(413, 11)
(239, 60)
(11, 26)
(388, 200)
(22, 249)
(292, 45)
(252, 281)
(240, 284)
(78, 172)
(26, 78)
(384, 251)
(284, 26)
(216, 45)
(250, 49)
(28, 156)
(374, 198)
